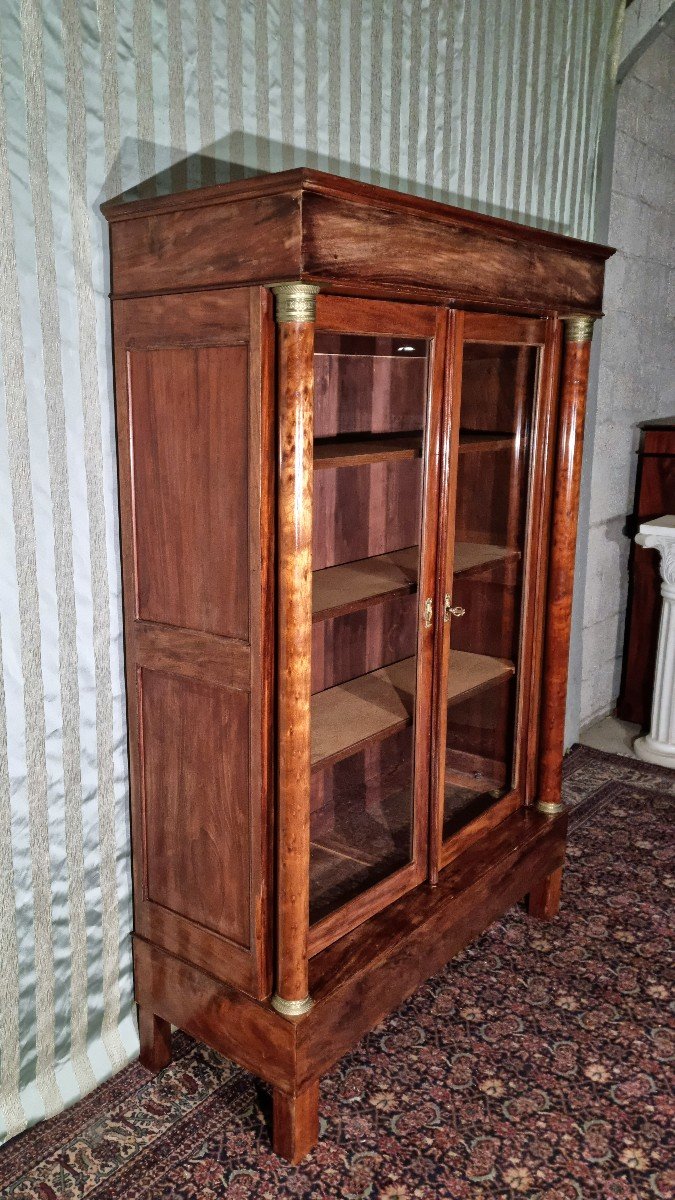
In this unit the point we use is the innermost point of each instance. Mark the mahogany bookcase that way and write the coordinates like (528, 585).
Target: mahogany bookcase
(350, 426)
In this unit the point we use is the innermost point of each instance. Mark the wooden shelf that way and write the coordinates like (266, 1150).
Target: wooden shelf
(472, 673)
(356, 714)
(353, 715)
(358, 452)
(355, 585)
(476, 443)
(472, 556)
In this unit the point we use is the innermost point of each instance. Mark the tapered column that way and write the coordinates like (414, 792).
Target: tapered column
(295, 314)
(659, 744)
(578, 334)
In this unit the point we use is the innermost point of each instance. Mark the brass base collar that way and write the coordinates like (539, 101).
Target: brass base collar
(579, 329)
(291, 1008)
(549, 809)
(295, 302)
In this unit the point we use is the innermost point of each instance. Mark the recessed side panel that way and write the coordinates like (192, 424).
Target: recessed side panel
(195, 426)
(189, 428)
(195, 799)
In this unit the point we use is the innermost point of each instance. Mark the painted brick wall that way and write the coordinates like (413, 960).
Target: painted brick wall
(637, 359)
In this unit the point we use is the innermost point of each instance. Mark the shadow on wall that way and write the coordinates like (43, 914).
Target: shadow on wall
(240, 155)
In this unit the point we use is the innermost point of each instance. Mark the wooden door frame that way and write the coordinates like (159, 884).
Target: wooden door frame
(387, 318)
(497, 329)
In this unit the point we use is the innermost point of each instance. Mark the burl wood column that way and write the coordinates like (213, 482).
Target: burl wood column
(295, 315)
(545, 897)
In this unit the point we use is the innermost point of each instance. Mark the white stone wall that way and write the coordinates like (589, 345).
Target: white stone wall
(637, 357)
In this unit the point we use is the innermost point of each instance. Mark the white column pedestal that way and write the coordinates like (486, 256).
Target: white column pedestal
(658, 746)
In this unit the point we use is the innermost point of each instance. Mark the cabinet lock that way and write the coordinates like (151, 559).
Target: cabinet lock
(449, 611)
(428, 612)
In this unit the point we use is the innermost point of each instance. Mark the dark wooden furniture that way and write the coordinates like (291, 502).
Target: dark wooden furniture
(654, 497)
(350, 431)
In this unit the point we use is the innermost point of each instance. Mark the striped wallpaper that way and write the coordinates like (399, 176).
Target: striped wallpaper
(495, 103)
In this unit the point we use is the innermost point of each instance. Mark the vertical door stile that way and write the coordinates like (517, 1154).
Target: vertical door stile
(430, 625)
(452, 378)
(544, 440)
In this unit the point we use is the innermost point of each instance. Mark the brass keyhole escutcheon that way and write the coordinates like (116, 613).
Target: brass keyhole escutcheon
(449, 611)
(428, 612)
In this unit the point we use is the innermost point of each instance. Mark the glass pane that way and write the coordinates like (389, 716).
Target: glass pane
(498, 389)
(369, 409)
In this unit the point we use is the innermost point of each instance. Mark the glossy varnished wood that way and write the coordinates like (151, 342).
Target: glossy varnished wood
(184, 521)
(543, 902)
(207, 246)
(295, 1129)
(378, 247)
(561, 568)
(545, 439)
(317, 227)
(196, 788)
(232, 520)
(193, 654)
(197, 639)
(359, 979)
(295, 349)
(404, 523)
(154, 1035)
(365, 974)
(247, 1031)
(488, 392)
(443, 583)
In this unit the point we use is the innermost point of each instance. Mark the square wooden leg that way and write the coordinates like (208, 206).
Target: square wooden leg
(543, 901)
(155, 1036)
(295, 1122)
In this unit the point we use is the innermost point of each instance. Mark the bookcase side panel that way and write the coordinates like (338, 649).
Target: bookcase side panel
(194, 500)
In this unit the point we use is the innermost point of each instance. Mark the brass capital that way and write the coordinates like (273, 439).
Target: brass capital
(291, 1008)
(295, 302)
(579, 329)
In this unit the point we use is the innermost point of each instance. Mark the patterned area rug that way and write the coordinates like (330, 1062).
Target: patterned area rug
(535, 1065)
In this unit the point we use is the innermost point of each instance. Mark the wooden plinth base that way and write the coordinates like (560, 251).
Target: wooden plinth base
(355, 982)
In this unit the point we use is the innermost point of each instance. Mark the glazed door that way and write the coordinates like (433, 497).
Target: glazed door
(491, 565)
(378, 386)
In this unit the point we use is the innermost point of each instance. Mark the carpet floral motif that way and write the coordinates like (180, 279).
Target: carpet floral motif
(537, 1064)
